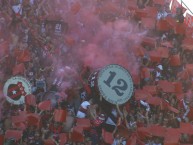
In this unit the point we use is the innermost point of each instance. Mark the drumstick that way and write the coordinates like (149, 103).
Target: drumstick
(119, 111)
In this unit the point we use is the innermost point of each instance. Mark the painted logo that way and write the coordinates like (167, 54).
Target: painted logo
(15, 90)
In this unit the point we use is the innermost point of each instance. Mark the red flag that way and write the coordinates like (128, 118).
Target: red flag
(180, 28)
(142, 95)
(143, 133)
(123, 131)
(132, 140)
(186, 128)
(16, 134)
(151, 89)
(139, 51)
(149, 41)
(63, 138)
(4, 49)
(18, 119)
(49, 142)
(83, 122)
(69, 40)
(45, 105)
(160, 2)
(162, 25)
(175, 60)
(24, 56)
(154, 100)
(30, 100)
(33, 119)
(172, 135)
(187, 43)
(166, 86)
(173, 109)
(166, 44)
(18, 69)
(190, 114)
(157, 130)
(175, 4)
(20, 126)
(148, 23)
(140, 13)
(1, 139)
(189, 68)
(178, 87)
(77, 134)
(59, 115)
(75, 8)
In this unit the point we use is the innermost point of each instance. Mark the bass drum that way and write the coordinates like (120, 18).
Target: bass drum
(111, 85)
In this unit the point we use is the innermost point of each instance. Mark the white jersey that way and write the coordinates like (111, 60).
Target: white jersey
(82, 109)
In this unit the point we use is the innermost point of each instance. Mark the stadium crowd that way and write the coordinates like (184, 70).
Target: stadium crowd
(39, 43)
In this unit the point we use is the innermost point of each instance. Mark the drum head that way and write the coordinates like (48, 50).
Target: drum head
(115, 84)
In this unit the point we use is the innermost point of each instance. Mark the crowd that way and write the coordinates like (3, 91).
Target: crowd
(35, 43)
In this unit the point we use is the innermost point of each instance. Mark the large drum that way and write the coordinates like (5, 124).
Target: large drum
(112, 84)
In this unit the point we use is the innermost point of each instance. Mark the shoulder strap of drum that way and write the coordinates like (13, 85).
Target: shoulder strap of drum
(113, 118)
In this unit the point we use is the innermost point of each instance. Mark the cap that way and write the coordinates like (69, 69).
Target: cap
(160, 67)
(102, 117)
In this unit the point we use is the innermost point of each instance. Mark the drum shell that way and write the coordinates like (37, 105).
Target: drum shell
(95, 93)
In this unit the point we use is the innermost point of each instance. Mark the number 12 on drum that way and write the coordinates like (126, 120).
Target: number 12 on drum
(121, 84)
(115, 84)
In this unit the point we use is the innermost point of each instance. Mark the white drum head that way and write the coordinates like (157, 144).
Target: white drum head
(115, 84)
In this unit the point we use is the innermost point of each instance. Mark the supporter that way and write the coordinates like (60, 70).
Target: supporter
(27, 25)
(82, 112)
